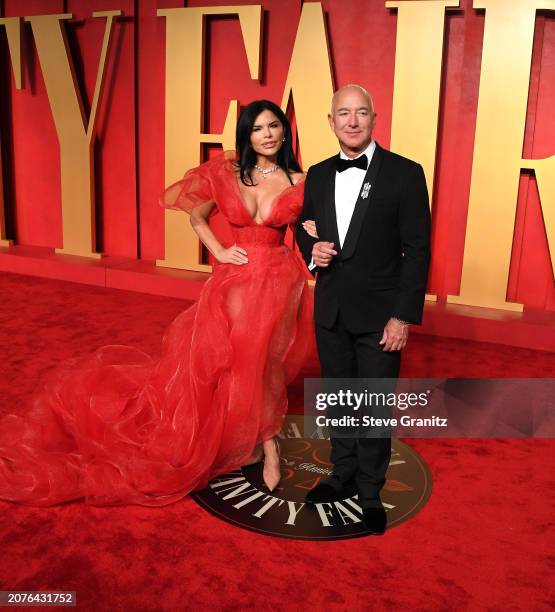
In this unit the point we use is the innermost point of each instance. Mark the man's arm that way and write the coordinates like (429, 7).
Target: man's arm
(414, 229)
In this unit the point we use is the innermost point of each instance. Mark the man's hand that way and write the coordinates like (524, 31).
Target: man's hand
(395, 335)
(322, 253)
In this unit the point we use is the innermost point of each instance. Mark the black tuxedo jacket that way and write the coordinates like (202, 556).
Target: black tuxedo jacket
(382, 269)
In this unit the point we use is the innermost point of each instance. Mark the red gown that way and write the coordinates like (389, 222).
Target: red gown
(118, 427)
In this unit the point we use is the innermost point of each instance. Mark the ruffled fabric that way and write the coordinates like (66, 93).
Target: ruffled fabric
(195, 188)
(118, 427)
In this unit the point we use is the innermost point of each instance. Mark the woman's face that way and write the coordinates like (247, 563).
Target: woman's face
(267, 134)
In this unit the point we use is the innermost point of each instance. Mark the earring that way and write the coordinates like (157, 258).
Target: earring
(283, 140)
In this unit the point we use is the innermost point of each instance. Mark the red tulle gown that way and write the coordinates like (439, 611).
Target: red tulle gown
(120, 428)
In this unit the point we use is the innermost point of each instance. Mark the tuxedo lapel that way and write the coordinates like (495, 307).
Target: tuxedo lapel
(361, 206)
(329, 204)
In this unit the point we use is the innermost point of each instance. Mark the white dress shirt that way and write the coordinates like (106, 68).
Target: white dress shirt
(347, 188)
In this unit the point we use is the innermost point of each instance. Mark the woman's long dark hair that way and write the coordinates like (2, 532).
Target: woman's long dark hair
(247, 156)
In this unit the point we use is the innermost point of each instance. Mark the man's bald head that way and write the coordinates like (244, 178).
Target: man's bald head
(350, 87)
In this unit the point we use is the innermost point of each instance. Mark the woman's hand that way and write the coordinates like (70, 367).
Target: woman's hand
(310, 228)
(233, 255)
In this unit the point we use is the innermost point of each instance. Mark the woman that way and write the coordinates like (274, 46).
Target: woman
(119, 428)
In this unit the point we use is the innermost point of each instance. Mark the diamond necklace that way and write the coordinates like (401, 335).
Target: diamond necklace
(265, 171)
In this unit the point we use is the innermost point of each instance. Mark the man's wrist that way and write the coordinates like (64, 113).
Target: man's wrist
(404, 323)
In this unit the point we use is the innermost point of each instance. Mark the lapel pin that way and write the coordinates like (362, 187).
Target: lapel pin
(365, 191)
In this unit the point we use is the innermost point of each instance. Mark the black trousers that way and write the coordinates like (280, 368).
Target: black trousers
(346, 355)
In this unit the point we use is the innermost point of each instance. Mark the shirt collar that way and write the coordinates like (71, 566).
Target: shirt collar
(369, 151)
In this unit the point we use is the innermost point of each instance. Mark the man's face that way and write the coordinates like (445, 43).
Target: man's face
(352, 120)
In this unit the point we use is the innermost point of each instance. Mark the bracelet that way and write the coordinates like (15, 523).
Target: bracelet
(404, 323)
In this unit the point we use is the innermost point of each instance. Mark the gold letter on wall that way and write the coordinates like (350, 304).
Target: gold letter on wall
(418, 61)
(75, 132)
(503, 96)
(184, 111)
(310, 81)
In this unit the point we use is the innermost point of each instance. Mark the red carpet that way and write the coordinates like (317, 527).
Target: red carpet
(483, 541)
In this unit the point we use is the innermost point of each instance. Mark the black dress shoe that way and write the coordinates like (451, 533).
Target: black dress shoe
(326, 492)
(374, 520)
(322, 493)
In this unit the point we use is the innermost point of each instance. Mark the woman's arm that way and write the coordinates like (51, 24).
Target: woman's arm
(234, 254)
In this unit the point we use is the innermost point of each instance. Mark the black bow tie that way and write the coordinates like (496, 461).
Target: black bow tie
(360, 162)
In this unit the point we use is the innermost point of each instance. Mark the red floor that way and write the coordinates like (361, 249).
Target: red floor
(483, 541)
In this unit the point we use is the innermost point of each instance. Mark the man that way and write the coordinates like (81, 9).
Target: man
(371, 260)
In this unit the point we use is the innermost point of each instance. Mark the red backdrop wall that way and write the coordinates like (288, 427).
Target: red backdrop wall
(129, 151)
